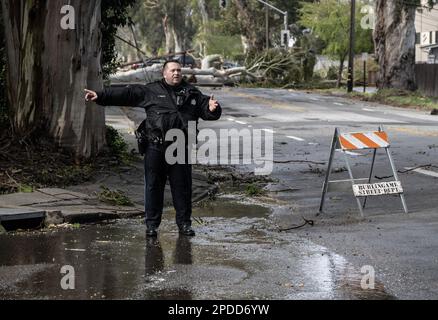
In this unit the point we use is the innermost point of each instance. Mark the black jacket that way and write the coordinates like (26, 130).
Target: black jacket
(166, 107)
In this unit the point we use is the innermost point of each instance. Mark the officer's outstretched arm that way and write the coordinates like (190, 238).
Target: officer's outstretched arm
(130, 95)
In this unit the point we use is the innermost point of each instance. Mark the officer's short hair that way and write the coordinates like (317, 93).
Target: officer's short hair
(170, 61)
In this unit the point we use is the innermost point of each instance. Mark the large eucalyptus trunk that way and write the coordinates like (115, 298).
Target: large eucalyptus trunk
(394, 38)
(48, 69)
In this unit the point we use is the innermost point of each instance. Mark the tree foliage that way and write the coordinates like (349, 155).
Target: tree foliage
(114, 15)
(330, 21)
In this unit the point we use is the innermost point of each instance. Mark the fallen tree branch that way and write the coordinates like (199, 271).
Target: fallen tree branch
(408, 170)
(306, 222)
(299, 161)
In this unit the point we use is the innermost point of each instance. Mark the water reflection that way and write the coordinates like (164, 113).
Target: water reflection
(154, 258)
(183, 251)
(155, 269)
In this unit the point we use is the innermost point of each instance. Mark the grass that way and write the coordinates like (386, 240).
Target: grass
(399, 98)
(114, 197)
(392, 97)
(253, 190)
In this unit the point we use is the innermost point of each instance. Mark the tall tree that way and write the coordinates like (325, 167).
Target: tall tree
(330, 21)
(250, 23)
(394, 37)
(53, 53)
(176, 22)
(48, 67)
(114, 14)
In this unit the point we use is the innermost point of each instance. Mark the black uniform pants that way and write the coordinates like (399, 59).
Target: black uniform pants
(180, 178)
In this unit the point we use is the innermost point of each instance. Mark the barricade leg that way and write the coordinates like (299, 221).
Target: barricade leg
(394, 171)
(329, 168)
(352, 183)
(371, 175)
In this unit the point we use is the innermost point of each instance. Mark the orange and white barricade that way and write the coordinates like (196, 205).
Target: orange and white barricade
(348, 142)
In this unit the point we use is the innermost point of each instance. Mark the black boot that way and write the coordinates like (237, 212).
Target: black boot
(186, 230)
(151, 232)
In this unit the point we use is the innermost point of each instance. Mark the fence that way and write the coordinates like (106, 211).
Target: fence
(426, 76)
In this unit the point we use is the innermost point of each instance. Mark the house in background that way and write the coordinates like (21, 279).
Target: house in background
(426, 38)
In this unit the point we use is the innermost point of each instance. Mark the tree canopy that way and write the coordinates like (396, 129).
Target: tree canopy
(330, 21)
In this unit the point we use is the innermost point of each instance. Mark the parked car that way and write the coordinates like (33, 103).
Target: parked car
(230, 64)
(187, 61)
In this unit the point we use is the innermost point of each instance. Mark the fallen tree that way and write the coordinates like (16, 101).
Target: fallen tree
(208, 75)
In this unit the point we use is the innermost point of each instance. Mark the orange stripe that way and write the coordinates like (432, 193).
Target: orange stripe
(346, 145)
(366, 141)
(383, 136)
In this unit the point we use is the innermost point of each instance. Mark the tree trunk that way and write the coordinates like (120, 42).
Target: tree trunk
(341, 69)
(394, 38)
(178, 42)
(205, 27)
(249, 26)
(204, 15)
(170, 43)
(48, 69)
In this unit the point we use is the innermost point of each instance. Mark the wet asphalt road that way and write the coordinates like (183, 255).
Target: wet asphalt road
(238, 252)
(236, 255)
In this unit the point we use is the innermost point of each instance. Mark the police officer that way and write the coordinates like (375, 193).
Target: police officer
(169, 104)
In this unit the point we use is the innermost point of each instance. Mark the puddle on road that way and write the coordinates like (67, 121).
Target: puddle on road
(234, 256)
(225, 208)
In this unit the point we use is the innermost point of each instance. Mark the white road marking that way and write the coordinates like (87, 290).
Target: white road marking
(240, 122)
(339, 104)
(295, 138)
(425, 172)
(313, 143)
(350, 153)
(250, 126)
(366, 109)
(230, 119)
(315, 99)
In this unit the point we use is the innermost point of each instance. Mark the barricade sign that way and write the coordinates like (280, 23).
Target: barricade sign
(347, 142)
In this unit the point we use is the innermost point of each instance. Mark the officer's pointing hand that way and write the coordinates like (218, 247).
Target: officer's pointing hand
(213, 104)
(90, 95)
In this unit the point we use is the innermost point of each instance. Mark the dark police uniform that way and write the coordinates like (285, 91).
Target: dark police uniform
(167, 107)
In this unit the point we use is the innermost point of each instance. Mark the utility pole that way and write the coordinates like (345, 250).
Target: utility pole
(350, 84)
(267, 27)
